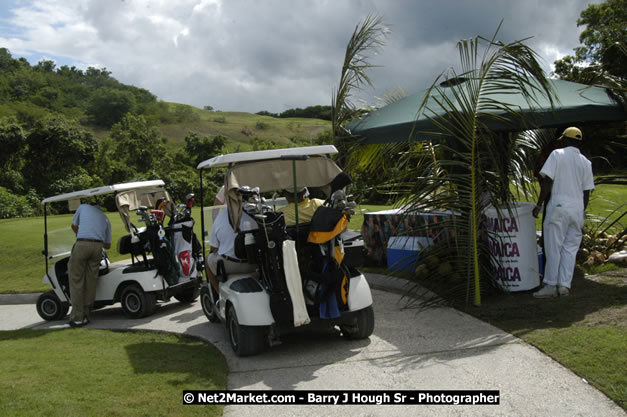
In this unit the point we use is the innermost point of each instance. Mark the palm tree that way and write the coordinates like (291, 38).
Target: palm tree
(469, 166)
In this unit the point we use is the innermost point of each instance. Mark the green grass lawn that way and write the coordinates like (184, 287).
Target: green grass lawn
(22, 242)
(604, 205)
(89, 372)
(608, 203)
(602, 362)
(586, 332)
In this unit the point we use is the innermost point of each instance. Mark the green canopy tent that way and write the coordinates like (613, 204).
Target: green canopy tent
(577, 104)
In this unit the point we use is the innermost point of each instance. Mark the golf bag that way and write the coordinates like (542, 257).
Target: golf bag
(163, 254)
(186, 247)
(268, 244)
(325, 275)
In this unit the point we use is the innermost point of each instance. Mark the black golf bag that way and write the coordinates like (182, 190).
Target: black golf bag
(264, 247)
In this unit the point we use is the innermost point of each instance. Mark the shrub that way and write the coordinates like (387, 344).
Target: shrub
(108, 105)
(184, 113)
(12, 205)
(262, 125)
(325, 138)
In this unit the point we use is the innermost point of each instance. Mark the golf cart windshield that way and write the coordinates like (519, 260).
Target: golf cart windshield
(273, 170)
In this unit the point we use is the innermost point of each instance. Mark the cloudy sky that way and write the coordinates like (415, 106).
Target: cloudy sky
(252, 55)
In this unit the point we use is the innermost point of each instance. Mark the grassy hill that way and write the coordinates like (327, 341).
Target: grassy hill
(240, 128)
(243, 128)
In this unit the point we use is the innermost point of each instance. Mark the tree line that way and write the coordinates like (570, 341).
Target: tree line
(311, 112)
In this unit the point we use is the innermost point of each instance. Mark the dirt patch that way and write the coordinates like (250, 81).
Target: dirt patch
(613, 315)
(618, 278)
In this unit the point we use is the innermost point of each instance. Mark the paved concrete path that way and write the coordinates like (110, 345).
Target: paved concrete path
(436, 349)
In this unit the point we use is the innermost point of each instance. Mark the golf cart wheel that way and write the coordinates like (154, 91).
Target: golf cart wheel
(207, 305)
(245, 340)
(136, 303)
(50, 308)
(188, 295)
(364, 326)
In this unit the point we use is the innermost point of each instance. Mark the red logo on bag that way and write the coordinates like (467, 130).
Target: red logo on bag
(185, 261)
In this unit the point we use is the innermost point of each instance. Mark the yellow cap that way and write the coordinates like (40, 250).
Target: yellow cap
(572, 133)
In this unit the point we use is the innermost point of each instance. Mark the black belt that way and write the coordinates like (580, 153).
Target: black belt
(228, 258)
(91, 240)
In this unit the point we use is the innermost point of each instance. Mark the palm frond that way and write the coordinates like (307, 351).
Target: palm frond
(392, 96)
(368, 36)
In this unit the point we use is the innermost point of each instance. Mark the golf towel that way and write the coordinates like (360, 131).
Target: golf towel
(294, 283)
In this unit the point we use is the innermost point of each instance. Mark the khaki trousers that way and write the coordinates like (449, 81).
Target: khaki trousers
(84, 268)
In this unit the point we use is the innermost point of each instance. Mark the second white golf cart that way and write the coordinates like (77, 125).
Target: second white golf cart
(305, 275)
(165, 262)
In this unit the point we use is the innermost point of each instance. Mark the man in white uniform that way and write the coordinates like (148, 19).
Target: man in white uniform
(567, 177)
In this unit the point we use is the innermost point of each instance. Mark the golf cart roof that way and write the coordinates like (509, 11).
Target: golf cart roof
(105, 189)
(232, 158)
(275, 169)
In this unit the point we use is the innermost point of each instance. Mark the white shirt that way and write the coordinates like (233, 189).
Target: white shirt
(571, 173)
(222, 235)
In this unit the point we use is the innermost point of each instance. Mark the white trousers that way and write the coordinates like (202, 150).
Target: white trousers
(562, 237)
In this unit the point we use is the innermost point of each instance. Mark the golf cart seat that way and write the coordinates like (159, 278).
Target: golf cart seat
(61, 268)
(126, 246)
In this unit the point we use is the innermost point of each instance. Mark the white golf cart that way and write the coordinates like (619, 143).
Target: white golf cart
(306, 274)
(165, 262)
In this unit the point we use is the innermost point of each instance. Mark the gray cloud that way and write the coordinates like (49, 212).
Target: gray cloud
(277, 54)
